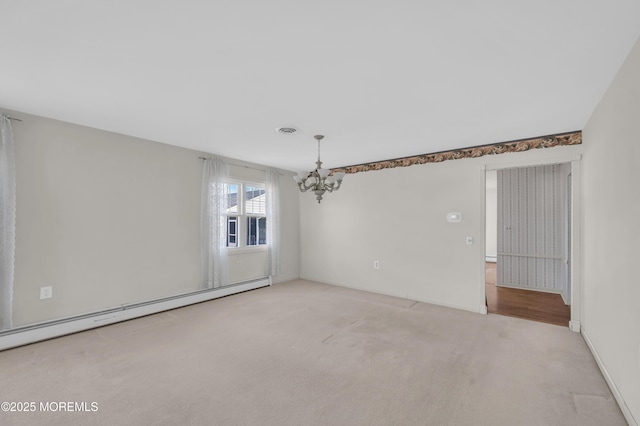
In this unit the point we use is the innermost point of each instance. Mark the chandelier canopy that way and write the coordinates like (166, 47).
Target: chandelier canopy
(319, 180)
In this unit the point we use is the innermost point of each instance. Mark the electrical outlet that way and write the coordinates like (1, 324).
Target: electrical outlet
(46, 292)
(376, 264)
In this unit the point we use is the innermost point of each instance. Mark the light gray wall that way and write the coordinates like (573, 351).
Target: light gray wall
(398, 217)
(611, 210)
(108, 219)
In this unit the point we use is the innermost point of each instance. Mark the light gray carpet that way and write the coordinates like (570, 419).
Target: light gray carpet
(303, 353)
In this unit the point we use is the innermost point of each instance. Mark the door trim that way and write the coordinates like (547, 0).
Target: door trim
(575, 161)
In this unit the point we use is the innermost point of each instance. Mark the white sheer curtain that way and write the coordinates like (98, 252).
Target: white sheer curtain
(273, 220)
(213, 224)
(7, 221)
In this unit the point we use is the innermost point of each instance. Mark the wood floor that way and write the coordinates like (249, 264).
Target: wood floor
(531, 305)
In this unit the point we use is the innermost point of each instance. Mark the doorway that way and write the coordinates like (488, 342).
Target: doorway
(528, 243)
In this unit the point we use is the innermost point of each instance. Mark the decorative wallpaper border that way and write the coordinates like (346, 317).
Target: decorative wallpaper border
(573, 138)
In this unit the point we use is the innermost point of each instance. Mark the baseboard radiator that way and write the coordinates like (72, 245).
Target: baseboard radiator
(46, 330)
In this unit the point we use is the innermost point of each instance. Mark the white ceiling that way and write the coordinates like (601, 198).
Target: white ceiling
(380, 78)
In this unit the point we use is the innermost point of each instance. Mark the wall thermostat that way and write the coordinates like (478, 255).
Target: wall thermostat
(454, 217)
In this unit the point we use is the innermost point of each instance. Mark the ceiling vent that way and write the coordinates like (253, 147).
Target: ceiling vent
(287, 130)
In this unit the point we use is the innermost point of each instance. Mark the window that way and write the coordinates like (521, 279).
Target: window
(232, 231)
(246, 212)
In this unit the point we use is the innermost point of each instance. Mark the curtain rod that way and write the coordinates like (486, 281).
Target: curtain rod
(12, 118)
(242, 165)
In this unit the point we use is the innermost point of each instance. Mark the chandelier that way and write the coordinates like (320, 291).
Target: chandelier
(319, 180)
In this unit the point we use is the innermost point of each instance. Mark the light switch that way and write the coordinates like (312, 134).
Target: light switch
(46, 292)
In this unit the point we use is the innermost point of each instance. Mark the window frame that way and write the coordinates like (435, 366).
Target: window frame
(242, 217)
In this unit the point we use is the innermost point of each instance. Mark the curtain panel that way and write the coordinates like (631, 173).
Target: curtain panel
(273, 220)
(7, 221)
(213, 224)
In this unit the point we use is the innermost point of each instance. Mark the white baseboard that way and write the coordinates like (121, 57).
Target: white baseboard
(402, 296)
(574, 326)
(493, 259)
(541, 290)
(48, 330)
(283, 279)
(614, 389)
(476, 310)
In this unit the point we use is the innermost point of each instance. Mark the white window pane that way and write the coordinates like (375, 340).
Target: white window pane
(231, 197)
(256, 231)
(255, 202)
(232, 231)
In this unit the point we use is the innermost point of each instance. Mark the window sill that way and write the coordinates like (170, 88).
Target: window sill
(243, 250)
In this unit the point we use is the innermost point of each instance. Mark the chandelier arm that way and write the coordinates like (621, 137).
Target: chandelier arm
(313, 182)
(332, 187)
(302, 187)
